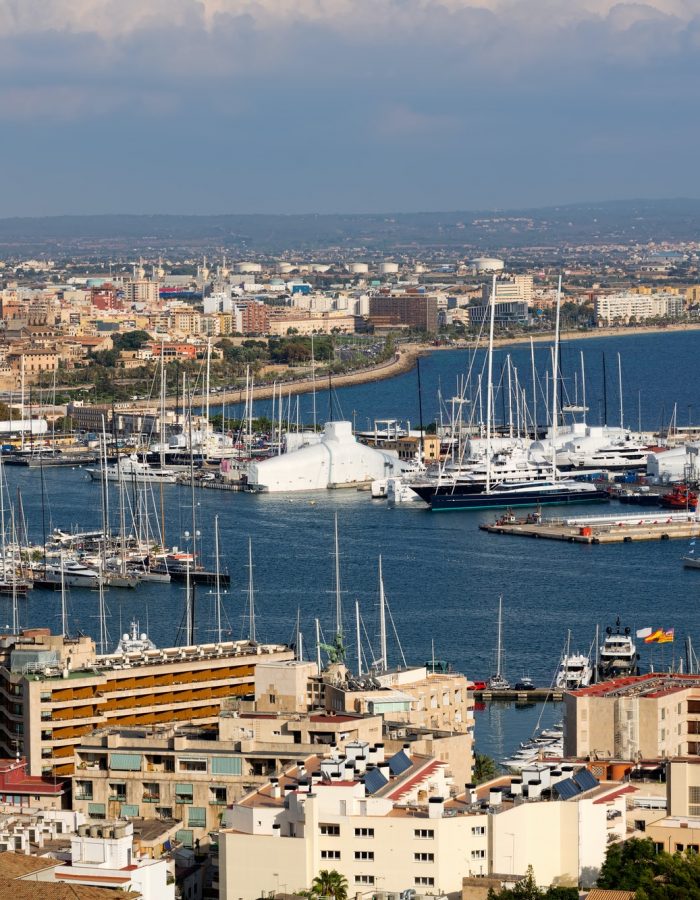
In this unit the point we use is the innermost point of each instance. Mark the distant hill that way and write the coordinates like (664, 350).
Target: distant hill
(622, 222)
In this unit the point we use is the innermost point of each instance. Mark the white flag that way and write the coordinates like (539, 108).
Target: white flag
(643, 632)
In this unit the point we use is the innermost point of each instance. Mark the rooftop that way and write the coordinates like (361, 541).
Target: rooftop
(647, 686)
(17, 865)
(11, 889)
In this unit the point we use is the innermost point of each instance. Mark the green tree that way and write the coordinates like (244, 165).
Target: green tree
(636, 866)
(484, 768)
(130, 340)
(330, 883)
(527, 890)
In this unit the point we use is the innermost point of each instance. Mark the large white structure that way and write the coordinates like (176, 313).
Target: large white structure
(483, 264)
(675, 464)
(625, 307)
(399, 824)
(337, 460)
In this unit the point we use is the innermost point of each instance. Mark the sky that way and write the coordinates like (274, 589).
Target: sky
(298, 106)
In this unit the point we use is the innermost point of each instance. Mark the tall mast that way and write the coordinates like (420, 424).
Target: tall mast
(555, 375)
(206, 384)
(103, 615)
(313, 380)
(357, 638)
(318, 645)
(251, 594)
(218, 580)
(64, 611)
(338, 602)
(498, 645)
(619, 380)
(510, 399)
(3, 548)
(382, 620)
(489, 386)
(15, 543)
(583, 387)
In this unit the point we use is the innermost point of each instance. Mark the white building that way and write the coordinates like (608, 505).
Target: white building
(399, 824)
(625, 307)
(337, 460)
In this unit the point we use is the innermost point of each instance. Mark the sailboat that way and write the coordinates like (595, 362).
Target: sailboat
(498, 681)
(541, 490)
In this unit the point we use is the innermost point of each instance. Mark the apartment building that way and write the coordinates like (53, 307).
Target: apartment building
(251, 317)
(398, 823)
(404, 310)
(510, 288)
(649, 716)
(193, 773)
(141, 290)
(638, 307)
(306, 323)
(54, 691)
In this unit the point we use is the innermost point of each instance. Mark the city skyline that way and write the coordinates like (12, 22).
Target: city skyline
(229, 106)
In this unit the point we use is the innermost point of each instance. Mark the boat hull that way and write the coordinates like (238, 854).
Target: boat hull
(511, 499)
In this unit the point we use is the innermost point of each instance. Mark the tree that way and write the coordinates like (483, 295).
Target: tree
(527, 890)
(636, 866)
(484, 768)
(130, 340)
(330, 883)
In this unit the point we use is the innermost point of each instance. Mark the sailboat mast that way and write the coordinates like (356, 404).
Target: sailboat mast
(555, 375)
(382, 620)
(64, 611)
(338, 601)
(489, 385)
(498, 645)
(318, 645)
(583, 387)
(357, 638)
(313, 380)
(218, 580)
(619, 381)
(251, 594)
(15, 611)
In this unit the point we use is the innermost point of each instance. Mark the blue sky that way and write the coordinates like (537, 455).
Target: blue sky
(216, 106)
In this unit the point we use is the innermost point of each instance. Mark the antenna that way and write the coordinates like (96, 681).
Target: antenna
(251, 594)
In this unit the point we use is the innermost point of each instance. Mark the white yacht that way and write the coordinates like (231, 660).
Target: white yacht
(133, 642)
(129, 469)
(575, 671)
(70, 572)
(617, 656)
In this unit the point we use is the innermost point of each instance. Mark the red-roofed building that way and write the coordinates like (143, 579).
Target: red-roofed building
(646, 716)
(20, 790)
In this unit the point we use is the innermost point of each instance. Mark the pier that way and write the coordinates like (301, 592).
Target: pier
(656, 526)
(538, 695)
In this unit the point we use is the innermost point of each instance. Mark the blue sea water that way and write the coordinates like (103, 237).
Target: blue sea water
(443, 576)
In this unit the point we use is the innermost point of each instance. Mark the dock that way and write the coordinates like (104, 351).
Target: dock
(658, 525)
(538, 695)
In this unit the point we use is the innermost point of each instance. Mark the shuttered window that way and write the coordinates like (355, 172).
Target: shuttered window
(96, 810)
(126, 762)
(226, 765)
(129, 811)
(186, 837)
(197, 817)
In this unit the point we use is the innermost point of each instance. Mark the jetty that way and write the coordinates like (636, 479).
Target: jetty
(658, 525)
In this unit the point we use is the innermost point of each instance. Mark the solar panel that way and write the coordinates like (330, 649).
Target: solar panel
(567, 789)
(399, 762)
(586, 780)
(374, 781)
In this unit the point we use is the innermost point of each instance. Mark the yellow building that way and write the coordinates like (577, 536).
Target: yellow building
(54, 691)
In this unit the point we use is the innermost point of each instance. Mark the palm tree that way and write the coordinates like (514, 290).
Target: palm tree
(329, 883)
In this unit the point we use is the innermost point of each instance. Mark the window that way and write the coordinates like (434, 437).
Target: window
(663, 713)
(365, 854)
(151, 792)
(425, 834)
(96, 810)
(192, 765)
(424, 881)
(479, 829)
(423, 857)
(330, 830)
(217, 796)
(164, 812)
(117, 790)
(196, 817)
(364, 832)
(183, 793)
(364, 879)
(83, 790)
(478, 854)
(330, 854)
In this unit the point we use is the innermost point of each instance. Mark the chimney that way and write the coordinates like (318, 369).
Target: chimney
(385, 770)
(516, 787)
(495, 797)
(436, 807)
(361, 763)
(275, 788)
(380, 752)
(276, 830)
(372, 754)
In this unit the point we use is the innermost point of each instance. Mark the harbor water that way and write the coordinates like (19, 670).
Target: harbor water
(442, 575)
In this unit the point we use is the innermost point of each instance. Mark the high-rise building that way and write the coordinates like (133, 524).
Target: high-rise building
(404, 310)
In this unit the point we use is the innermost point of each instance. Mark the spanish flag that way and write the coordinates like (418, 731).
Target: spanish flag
(660, 636)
